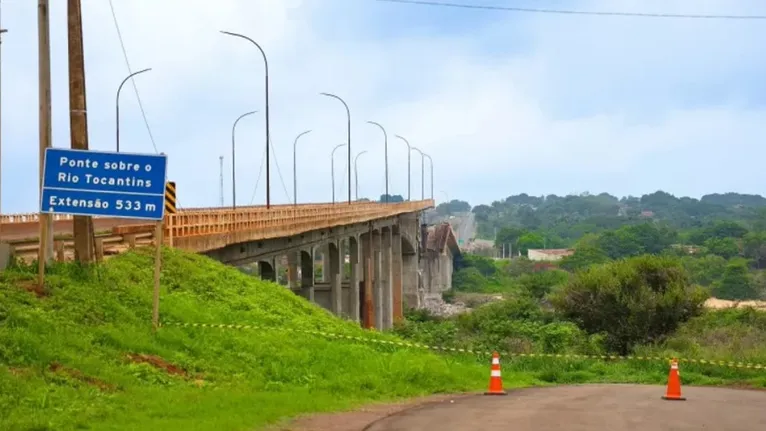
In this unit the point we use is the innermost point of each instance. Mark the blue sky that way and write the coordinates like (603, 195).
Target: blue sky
(505, 103)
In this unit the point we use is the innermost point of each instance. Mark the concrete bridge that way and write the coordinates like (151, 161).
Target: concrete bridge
(380, 242)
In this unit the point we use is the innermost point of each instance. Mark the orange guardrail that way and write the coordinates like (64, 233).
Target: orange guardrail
(202, 229)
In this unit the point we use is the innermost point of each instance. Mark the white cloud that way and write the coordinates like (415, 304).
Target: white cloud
(523, 103)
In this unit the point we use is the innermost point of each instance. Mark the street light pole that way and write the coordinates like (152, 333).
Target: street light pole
(422, 174)
(234, 160)
(117, 103)
(268, 130)
(295, 168)
(385, 147)
(409, 169)
(348, 139)
(431, 161)
(332, 169)
(356, 174)
(2, 31)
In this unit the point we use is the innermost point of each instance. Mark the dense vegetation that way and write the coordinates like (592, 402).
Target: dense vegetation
(721, 239)
(568, 218)
(643, 306)
(636, 284)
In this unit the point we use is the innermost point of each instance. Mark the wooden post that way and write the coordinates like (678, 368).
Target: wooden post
(78, 120)
(157, 272)
(45, 250)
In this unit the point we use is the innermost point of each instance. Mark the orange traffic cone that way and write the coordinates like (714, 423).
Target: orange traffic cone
(674, 383)
(495, 381)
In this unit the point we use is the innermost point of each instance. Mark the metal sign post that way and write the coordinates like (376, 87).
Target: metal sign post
(107, 184)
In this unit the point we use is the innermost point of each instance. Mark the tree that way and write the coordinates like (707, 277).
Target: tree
(583, 257)
(736, 283)
(704, 270)
(453, 207)
(631, 301)
(754, 244)
(391, 198)
(509, 236)
(529, 240)
(724, 247)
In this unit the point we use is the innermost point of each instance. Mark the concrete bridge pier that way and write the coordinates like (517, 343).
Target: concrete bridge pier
(396, 276)
(383, 260)
(292, 269)
(326, 256)
(354, 302)
(335, 274)
(386, 302)
(377, 277)
(307, 274)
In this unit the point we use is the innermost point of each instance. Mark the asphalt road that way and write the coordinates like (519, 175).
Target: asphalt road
(588, 407)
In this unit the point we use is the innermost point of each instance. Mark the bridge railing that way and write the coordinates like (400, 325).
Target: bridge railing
(35, 217)
(283, 220)
(244, 224)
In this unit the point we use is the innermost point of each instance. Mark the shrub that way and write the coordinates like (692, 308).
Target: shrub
(641, 299)
(540, 284)
(469, 280)
(736, 283)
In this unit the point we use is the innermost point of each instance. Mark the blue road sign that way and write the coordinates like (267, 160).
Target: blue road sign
(95, 183)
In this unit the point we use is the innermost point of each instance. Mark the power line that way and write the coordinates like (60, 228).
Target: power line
(572, 12)
(258, 180)
(133, 82)
(279, 171)
(135, 87)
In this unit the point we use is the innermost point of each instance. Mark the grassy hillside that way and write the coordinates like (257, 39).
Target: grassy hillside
(81, 355)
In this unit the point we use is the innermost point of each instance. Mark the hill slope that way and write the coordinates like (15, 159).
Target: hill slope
(82, 355)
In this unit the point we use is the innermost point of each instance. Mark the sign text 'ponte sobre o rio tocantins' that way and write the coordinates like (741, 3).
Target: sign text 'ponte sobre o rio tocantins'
(93, 183)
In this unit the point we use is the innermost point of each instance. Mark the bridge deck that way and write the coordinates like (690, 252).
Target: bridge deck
(201, 229)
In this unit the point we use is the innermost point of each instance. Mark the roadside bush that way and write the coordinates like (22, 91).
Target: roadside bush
(469, 280)
(540, 284)
(632, 301)
(736, 282)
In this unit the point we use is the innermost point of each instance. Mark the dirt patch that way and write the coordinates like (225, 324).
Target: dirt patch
(78, 375)
(359, 419)
(31, 286)
(723, 303)
(19, 372)
(158, 363)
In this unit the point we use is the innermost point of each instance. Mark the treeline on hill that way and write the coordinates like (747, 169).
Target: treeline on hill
(720, 239)
(565, 219)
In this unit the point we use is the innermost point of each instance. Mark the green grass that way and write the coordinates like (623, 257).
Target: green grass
(92, 320)
(64, 357)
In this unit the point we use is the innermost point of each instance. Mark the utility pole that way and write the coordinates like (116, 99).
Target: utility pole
(2, 31)
(78, 120)
(45, 252)
(221, 179)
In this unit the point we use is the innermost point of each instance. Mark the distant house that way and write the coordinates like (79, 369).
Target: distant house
(550, 254)
(647, 214)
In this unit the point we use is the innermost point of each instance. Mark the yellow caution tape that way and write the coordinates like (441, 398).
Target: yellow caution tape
(729, 364)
